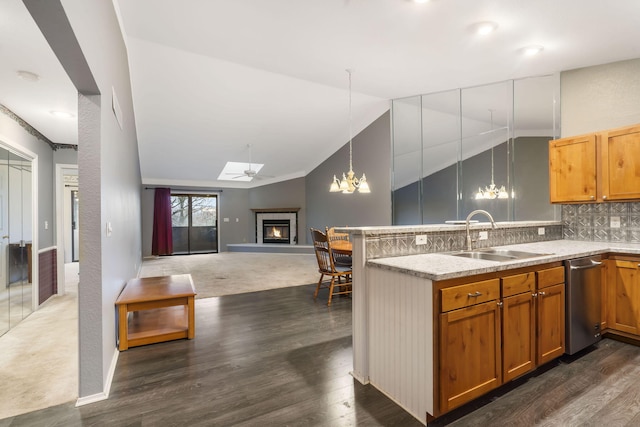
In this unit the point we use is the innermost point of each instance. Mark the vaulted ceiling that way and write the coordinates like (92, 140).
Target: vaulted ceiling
(210, 77)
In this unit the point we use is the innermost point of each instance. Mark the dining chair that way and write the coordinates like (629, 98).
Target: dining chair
(341, 258)
(327, 267)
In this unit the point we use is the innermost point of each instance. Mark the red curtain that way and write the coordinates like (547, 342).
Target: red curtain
(162, 241)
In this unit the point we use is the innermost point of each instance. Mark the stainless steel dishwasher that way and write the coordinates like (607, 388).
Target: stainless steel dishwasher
(583, 302)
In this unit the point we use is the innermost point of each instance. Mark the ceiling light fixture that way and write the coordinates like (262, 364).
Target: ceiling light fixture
(420, 1)
(28, 76)
(532, 50)
(492, 192)
(349, 182)
(486, 27)
(62, 114)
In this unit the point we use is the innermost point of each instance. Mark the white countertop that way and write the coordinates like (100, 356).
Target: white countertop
(440, 266)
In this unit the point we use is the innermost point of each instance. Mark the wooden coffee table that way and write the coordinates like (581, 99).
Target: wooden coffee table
(162, 310)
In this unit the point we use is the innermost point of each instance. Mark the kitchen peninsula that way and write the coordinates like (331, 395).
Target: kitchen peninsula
(403, 296)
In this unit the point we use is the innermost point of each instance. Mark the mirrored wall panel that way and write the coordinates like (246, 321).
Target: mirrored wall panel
(484, 147)
(16, 252)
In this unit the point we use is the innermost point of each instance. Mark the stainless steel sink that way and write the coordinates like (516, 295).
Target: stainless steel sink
(494, 254)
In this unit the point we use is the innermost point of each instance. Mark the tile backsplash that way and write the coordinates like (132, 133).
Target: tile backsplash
(399, 244)
(602, 222)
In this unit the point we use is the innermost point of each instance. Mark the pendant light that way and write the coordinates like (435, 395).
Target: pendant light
(349, 182)
(492, 192)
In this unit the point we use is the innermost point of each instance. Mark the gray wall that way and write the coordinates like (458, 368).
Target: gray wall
(65, 156)
(371, 155)
(531, 159)
(600, 97)
(286, 194)
(86, 38)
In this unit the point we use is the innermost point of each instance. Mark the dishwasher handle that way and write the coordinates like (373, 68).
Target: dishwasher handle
(584, 267)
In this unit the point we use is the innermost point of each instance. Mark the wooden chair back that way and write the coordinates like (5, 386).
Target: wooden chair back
(333, 235)
(323, 251)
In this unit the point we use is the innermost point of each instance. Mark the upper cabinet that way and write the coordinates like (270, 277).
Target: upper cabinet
(572, 169)
(595, 167)
(621, 164)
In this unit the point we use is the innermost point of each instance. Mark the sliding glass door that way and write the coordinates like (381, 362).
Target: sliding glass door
(194, 222)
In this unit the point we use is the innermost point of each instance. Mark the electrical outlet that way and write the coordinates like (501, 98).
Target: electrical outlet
(540, 231)
(615, 222)
(421, 239)
(483, 235)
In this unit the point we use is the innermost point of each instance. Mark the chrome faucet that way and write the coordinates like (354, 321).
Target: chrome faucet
(478, 211)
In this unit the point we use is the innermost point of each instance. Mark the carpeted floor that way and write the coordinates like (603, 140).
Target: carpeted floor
(229, 273)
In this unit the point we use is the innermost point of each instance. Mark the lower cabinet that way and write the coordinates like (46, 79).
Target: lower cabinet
(518, 325)
(551, 315)
(493, 331)
(623, 296)
(469, 353)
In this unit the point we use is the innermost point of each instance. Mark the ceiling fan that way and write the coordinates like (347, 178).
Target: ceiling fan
(249, 173)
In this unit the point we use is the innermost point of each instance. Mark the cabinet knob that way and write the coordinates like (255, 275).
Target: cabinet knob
(592, 197)
(499, 303)
(541, 293)
(475, 294)
(604, 197)
(534, 294)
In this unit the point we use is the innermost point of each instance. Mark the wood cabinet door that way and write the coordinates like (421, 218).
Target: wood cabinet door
(623, 282)
(470, 362)
(572, 169)
(551, 321)
(518, 335)
(621, 164)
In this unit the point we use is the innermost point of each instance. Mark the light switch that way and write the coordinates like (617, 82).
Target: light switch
(540, 231)
(109, 230)
(615, 222)
(237, 219)
(226, 219)
(46, 225)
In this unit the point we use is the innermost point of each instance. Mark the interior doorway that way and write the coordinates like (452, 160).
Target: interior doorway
(75, 226)
(194, 223)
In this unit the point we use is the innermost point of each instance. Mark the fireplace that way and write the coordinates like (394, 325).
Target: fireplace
(276, 231)
(283, 221)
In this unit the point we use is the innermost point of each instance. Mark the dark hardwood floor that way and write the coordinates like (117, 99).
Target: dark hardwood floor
(272, 358)
(277, 358)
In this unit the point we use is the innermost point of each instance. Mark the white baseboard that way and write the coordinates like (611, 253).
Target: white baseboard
(107, 387)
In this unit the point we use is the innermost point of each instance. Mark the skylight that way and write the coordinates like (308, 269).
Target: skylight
(234, 171)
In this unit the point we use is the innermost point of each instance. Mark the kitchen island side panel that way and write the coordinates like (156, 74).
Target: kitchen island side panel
(401, 339)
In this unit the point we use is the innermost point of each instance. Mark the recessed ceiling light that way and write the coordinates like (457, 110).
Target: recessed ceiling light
(420, 1)
(62, 114)
(484, 28)
(532, 50)
(28, 76)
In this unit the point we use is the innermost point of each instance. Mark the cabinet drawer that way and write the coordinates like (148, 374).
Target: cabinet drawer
(470, 294)
(550, 277)
(518, 283)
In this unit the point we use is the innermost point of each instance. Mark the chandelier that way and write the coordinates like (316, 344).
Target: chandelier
(492, 192)
(349, 182)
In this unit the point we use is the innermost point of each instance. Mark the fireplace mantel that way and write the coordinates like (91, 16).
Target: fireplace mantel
(282, 210)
